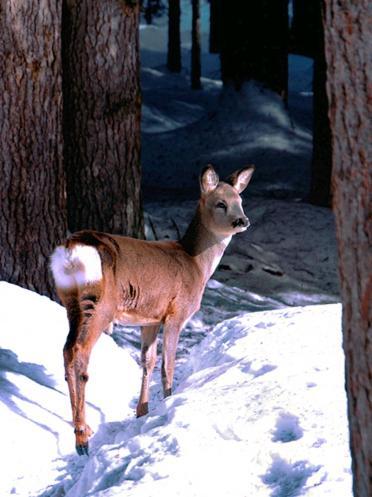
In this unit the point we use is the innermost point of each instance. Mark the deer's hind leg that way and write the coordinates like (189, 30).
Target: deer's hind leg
(71, 302)
(148, 360)
(86, 325)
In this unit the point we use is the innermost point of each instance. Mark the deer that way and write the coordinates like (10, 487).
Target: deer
(103, 279)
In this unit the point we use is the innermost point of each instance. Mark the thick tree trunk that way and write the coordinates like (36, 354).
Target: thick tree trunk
(196, 48)
(238, 49)
(174, 36)
(254, 39)
(102, 115)
(32, 186)
(348, 50)
(215, 26)
(321, 168)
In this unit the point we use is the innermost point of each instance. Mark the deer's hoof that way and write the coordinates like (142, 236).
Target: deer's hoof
(83, 449)
(82, 433)
(167, 392)
(142, 409)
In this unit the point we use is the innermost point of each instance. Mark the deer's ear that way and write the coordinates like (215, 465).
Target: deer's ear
(208, 179)
(240, 179)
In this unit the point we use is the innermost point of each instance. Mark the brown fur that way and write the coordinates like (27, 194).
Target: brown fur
(149, 284)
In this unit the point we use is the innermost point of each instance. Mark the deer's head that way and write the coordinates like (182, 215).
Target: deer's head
(221, 204)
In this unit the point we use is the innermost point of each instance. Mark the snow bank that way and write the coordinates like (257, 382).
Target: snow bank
(35, 413)
(259, 409)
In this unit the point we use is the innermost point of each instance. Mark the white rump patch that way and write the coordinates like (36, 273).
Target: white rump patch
(75, 267)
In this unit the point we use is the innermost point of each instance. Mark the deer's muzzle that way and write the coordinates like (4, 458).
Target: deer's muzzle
(241, 222)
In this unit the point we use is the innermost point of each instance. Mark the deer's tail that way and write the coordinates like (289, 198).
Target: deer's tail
(75, 266)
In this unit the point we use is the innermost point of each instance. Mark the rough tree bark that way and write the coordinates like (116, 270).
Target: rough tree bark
(321, 166)
(102, 115)
(174, 36)
(254, 43)
(32, 186)
(348, 49)
(196, 47)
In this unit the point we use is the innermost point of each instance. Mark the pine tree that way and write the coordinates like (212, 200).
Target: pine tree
(102, 115)
(196, 48)
(32, 186)
(348, 51)
(303, 27)
(253, 43)
(321, 167)
(215, 26)
(174, 36)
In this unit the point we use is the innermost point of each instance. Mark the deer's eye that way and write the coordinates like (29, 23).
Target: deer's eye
(221, 205)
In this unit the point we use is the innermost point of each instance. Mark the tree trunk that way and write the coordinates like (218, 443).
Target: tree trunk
(238, 51)
(321, 168)
(102, 115)
(148, 12)
(348, 49)
(303, 27)
(275, 48)
(32, 186)
(215, 26)
(174, 36)
(196, 48)
(254, 38)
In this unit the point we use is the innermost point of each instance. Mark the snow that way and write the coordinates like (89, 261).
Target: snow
(259, 407)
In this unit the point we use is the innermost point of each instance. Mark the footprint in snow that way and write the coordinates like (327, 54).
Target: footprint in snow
(287, 428)
(289, 479)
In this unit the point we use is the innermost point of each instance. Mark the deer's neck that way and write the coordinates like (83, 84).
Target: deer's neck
(203, 245)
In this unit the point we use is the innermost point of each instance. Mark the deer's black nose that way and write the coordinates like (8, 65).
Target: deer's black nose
(241, 222)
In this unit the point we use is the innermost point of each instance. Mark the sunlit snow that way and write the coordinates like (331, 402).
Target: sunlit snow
(259, 409)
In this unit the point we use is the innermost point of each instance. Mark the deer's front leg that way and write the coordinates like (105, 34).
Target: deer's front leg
(148, 360)
(171, 333)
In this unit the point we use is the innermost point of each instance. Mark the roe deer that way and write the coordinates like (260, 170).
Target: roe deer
(102, 279)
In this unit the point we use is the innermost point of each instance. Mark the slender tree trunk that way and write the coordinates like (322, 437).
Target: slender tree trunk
(348, 51)
(215, 26)
(196, 48)
(303, 27)
(148, 12)
(274, 62)
(174, 36)
(32, 186)
(102, 115)
(321, 169)
(254, 38)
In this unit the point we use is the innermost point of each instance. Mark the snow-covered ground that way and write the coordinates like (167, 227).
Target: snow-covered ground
(259, 407)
